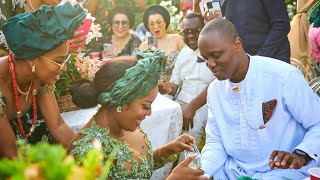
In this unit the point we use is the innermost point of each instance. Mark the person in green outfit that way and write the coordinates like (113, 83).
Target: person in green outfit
(125, 88)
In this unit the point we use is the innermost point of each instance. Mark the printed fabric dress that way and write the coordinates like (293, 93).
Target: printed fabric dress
(41, 132)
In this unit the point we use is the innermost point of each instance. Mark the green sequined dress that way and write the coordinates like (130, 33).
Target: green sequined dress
(124, 154)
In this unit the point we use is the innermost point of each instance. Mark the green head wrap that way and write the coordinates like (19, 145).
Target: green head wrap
(137, 82)
(314, 15)
(35, 33)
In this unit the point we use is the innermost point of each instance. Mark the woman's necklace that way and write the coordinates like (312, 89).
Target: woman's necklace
(16, 97)
(25, 93)
(237, 88)
(118, 44)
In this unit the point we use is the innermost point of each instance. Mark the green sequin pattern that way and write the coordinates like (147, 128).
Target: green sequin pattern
(117, 171)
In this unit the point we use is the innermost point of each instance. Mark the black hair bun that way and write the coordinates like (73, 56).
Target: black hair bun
(83, 94)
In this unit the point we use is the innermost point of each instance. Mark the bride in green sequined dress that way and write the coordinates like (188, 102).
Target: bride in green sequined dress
(125, 88)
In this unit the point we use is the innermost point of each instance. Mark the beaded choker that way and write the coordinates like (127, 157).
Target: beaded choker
(34, 100)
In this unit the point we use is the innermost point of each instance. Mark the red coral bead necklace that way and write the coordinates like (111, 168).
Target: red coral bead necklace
(34, 100)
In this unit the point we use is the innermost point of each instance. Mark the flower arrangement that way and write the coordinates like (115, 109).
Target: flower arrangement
(86, 66)
(292, 8)
(175, 16)
(80, 65)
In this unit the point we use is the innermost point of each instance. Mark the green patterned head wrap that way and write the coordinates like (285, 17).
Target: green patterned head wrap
(314, 15)
(33, 34)
(137, 82)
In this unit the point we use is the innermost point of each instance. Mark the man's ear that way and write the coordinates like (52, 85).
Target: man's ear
(237, 44)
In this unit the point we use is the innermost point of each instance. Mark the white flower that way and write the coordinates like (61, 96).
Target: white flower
(89, 16)
(96, 144)
(72, 2)
(90, 36)
(174, 9)
(163, 3)
(95, 28)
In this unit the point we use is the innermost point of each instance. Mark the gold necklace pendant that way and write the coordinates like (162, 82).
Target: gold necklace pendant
(237, 88)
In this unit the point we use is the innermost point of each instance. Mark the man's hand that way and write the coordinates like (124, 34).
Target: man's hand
(188, 114)
(165, 87)
(286, 160)
(183, 172)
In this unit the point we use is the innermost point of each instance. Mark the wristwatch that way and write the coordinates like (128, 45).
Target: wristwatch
(303, 154)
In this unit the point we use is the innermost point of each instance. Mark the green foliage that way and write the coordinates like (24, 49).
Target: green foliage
(50, 162)
(66, 79)
(291, 7)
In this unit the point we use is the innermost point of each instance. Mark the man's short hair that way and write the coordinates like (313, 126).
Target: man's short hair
(224, 27)
(195, 15)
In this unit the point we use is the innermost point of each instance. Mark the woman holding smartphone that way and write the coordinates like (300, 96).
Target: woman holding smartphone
(156, 19)
(121, 20)
(101, 10)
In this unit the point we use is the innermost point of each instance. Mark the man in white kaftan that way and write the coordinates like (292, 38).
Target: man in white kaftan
(191, 74)
(263, 119)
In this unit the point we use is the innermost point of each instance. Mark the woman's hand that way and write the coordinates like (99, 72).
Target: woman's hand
(181, 143)
(183, 172)
(77, 42)
(286, 160)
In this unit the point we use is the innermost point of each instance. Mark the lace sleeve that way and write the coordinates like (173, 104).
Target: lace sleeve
(164, 161)
(3, 109)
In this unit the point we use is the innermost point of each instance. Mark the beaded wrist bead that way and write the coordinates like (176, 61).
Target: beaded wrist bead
(46, 89)
(3, 109)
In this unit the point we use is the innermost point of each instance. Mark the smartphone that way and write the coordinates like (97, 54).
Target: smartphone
(152, 41)
(196, 163)
(107, 50)
(214, 7)
(85, 27)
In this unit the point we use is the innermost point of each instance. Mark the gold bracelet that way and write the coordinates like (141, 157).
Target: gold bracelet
(3, 109)
(46, 89)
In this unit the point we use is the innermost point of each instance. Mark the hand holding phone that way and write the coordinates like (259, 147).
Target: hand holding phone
(85, 27)
(152, 42)
(214, 8)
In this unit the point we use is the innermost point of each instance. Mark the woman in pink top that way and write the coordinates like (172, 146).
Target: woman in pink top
(314, 38)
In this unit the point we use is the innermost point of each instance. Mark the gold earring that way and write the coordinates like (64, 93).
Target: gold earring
(33, 68)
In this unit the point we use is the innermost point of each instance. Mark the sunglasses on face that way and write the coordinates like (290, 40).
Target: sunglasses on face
(124, 24)
(186, 32)
(61, 65)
